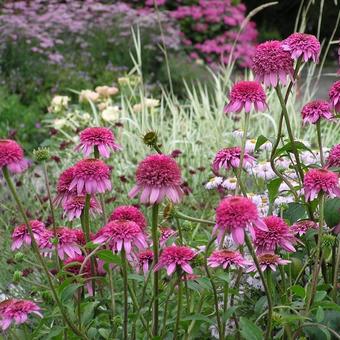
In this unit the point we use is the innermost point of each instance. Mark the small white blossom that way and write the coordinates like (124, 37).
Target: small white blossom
(267, 146)
(250, 145)
(214, 183)
(88, 95)
(111, 113)
(237, 133)
(264, 170)
(230, 183)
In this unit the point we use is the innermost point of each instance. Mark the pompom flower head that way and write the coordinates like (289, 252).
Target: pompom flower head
(268, 261)
(334, 157)
(236, 214)
(21, 236)
(145, 259)
(321, 181)
(120, 233)
(301, 227)
(99, 137)
(271, 64)
(316, 110)
(334, 95)
(16, 311)
(229, 158)
(64, 181)
(67, 242)
(303, 45)
(227, 258)
(91, 176)
(74, 206)
(12, 156)
(174, 257)
(129, 213)
(244, 95)
(157, 177)
(278, 235)
(166, 234)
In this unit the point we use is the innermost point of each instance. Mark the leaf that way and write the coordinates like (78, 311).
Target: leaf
(109, 257)
(294, 212)
(287, 148)
(320, 295)
(68, 292)
(332, 212)
(320, 314)
(136, 277)
(204, 283)
(88, 311)
(299, 291)
(273, 189)
(249, 330)
(224, 277)
(198, 317)
(260, 304)
(105, 333)
(260, 141)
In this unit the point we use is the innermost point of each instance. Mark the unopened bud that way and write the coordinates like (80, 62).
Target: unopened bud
(41, 154)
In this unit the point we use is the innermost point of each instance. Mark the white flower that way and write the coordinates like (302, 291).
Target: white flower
(282, 163)
(106, 91)
(283, 200)
(308, 158)
(266, 146)
(250, 145)
(237, 133)
(111, 113)
(150, 102)
(257, 199)
(214, 183)
(254, 282)
(230, 183)
(86, 116)
(59, 103)
(88, 95)
(265, 171)
(59, 123)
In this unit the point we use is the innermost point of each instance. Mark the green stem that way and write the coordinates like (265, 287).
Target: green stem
(225, 305)
(193, 219)
(35, 247)
(284, 286)
(125, 290)
(318, 129)
(165, 310)
(243, 146)
(154, 231)
(290, 132)
(317, 263)
(335, 278)
(219, 324)
(112, 293)
(265, 286)
(179, 305)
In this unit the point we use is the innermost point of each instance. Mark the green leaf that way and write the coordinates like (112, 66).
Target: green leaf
(105, 333)
(198, 317)
(68, 292)
(109, 257)
(287, 148)
(249, 330)
(320, 314)
(260, 141)
(294, 212)
(224, 277)
(136, 277)
(332, 212)
(260, 304)
(299, 291)
(320, 295)
(273, 189)
(88, 311)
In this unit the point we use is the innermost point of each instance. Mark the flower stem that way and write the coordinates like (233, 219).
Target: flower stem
(35, 247)
(335, 278)
(179, 304)
(243, 146)
(125, 284)
(225, 304)
(318, 129)
(265, 286)
(154, 231)
(318, 261)
(192, 219)
(219, 324)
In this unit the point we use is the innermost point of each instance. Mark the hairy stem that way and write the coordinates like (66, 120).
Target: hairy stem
(155, 310)
(125, 291)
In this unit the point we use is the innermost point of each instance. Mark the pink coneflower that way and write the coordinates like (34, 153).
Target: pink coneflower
(244, 95)
(21, 236)
(321, 180)
(227, 258)
(99, 137)
(334, 157)
(119, 234)
(67, 243)
(74, 264)
(271, 64)
(268, 261)
(91, 176)
(278, 235)
(301, 227)
(64, 181)
(16, 311)
(166, 233)
(229, 158)
(12, 156)
(129, 213)
(145, 259)
(175, 256)
(73, 207)
(316, 110)
(334, 95)
(302, 45)
(234, 215)
(158, 176)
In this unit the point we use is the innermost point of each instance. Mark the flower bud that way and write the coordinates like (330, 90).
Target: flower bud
(17, 276)
(41, 154)
(18, 257)
(150, 138)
